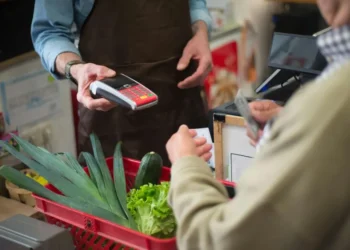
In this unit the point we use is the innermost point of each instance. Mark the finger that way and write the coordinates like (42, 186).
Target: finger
(260, 105)
(200, 141)
(184, 60)
(98, 71)
(104, 105)
(253, 143)
(94, 104)
(191, 81)
(104, 72)
(264, 116)
(203, 149)
(206, 157)
(329, 9)
(342, 15)
(251, 135)
(193, 132)
(107, 107)
(183, 129)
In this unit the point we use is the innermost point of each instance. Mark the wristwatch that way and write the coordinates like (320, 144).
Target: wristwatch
(67, 70)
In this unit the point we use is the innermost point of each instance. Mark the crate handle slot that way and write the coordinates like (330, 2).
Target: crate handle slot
(90, 225)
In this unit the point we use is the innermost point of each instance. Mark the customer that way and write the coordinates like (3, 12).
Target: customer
(297, 193)
(151, 41)
(264, 111)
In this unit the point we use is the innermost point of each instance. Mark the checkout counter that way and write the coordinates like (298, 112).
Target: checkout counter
(295, 60)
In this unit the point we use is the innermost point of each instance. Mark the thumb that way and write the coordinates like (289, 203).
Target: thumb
(105, 72)
(184, 129)
(184, 61)
(263, 116)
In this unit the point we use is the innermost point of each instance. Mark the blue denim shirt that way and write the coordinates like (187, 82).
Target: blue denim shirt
(52, 23)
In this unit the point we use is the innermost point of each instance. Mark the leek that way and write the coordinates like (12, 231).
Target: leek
(67, 187)
(50, 162)
(95, 173)
(111, 195)
(120, 183)
(22, 181)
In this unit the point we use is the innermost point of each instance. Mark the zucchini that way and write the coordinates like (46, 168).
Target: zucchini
(150, 170)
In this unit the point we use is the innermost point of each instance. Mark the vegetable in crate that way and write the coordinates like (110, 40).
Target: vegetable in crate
(149, 207)
(145, 209)
(150, 170)
(97, 196)
(39, 179)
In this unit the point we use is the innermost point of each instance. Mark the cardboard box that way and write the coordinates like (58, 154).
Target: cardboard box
(9, 161)
(9, 208)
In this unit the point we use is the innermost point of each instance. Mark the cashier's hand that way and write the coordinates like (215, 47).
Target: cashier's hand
(262, 111)
(85, 74)
(196, 49)
(183, 143)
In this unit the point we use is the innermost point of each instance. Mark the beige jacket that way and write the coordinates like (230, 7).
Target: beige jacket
(296, 196)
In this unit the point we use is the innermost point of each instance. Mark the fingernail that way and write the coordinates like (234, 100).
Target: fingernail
(180, 66)
(110, 72)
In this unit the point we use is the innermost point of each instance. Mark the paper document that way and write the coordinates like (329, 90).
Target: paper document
(204, 132)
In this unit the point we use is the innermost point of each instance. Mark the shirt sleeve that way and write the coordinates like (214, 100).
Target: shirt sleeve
(51, 31)
(282, 201)
(199, 11)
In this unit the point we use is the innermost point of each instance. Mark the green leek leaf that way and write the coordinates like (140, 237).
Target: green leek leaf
(120, 183)
(95, 173)
(46, 159)
(22, 181)
(63, 184)
(111, 195)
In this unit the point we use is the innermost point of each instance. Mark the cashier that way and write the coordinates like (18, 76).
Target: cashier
(162, 44)
(297, 193)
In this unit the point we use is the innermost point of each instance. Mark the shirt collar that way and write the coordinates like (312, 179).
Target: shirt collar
(335, 44)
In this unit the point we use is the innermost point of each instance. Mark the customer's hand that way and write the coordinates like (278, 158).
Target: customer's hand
(183, 143)
(335, 12)
(197, 49)
(85, 74)
(262, 111)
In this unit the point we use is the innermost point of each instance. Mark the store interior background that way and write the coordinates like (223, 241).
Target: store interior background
(51, 120)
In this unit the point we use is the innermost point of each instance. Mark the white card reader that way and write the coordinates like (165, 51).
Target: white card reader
(125, 91)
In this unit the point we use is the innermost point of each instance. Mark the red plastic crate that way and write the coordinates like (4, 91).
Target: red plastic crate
(93, 233)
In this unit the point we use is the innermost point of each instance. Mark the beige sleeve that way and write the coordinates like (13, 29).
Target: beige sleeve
(294, 195)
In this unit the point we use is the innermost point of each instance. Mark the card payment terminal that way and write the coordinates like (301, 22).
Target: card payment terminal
(125, 91)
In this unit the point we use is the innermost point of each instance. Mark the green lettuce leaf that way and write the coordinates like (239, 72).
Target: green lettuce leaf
(149, 207)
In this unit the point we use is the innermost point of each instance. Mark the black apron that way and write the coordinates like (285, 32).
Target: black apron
(145, 40)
